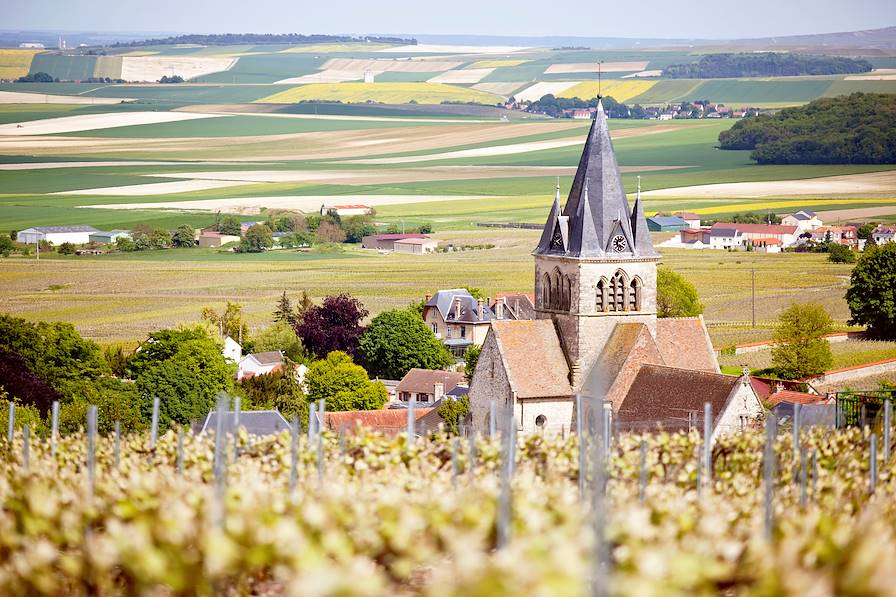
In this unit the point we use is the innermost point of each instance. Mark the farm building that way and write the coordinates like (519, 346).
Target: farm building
(425, 385)
(690, 218)
(804, 220)
(344, 211)
(56, 235)
(259, 363)
(415, 246)
(216, 239)
(386, 242)
(665, 224)
(107, 238)
(725, 235)
(596, 331)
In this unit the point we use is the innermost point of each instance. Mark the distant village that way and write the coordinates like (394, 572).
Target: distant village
(551, 106)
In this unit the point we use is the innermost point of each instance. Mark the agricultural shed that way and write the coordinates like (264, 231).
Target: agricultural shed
(386, 242)
(55, 235)
(255, 422)
(216, 239)
(665, 224)
(107, 238)
(415, 246)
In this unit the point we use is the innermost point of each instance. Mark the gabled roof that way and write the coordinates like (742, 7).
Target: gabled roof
(532, 357)
(256, 422)
(668, 221)
(686, 215)
(58, 229)
(444, 300)
(517, 305)
(795, 398)
(422, 381)
(801, 216)
(665, 397)
(755, 228)
(684, 342)
(399, 236)
(390, 422)
(629, 346)
(720, 231)
(597, 208)
(273, 357)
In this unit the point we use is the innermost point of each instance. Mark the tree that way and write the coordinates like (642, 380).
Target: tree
(230, 225)
(185, 370)
(872, 291)
(453, 412)
(397, 341)
(675, 296)
(258, 238)
(343, 384)
(328, 232)
(866, 229)
(357, 227)
(280, 336)
(838, 253)
(335, 325)
(125, 244)
(184, 236)
(160, 239)
(800, 347)
(6, 246)
(285, 311)
(66, 249)
(471, 357)
(229, 322)
(278, 389)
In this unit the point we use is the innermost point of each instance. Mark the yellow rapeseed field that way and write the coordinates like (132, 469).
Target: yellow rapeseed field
(773, 205)
(387, 93)
(14, 63)
(620, 91)
(497, 63)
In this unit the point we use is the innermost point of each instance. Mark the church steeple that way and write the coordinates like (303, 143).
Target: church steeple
(605, 228)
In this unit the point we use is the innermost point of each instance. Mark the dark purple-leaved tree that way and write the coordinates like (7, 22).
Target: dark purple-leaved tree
(334, 325)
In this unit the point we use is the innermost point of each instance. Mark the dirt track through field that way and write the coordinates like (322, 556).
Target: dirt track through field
(858, 213)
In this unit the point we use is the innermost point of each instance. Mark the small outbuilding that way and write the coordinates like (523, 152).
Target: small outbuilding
(108, 238)
(415, 246)
(210, 239)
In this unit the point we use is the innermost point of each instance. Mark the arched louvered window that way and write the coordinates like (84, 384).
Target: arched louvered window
(546, 292)
(634, 297)
(567, 293)
(600, 300)
(618, 287)
(556, 290)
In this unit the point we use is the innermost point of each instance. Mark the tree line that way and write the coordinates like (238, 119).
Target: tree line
(263, 38)
(854, 129)
(765, 64)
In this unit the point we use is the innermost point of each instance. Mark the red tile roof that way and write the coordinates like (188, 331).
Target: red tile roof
(795, 398)
(391, 422)
(422, 381)
(399, 236)
(684, 342)
(756, 228)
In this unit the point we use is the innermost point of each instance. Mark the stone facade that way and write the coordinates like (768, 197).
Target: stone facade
(742, 410)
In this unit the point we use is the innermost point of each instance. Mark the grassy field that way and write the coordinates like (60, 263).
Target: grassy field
(846, 354)
(387, 93)
(15, 63)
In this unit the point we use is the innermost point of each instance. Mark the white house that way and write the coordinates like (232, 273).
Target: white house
(259, 363)
(232, 350)
(884, 234)
(804, 220)
(690, 218)
(56, 235)
(725, 238)
(344, 211)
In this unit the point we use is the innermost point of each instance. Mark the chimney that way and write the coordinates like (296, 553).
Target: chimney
(479, 309)
(499, 308)
(457, 308)
(438, 391)
(779, 387)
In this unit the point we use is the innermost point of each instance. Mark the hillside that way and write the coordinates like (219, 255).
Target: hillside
(855, 129)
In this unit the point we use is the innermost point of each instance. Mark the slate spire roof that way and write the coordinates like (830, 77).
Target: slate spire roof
(596, 210)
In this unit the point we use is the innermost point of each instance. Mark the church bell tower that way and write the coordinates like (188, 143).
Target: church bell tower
(595, 265)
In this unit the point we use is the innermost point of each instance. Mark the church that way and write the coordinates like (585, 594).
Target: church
(596, 331)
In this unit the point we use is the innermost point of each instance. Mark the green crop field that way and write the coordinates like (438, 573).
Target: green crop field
(72, 68)
(759, 92)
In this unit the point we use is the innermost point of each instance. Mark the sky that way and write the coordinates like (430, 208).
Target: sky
(642, 18)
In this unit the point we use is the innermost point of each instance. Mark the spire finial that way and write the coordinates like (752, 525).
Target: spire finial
(638, 196)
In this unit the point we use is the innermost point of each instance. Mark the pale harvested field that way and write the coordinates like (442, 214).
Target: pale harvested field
(264, 110)
(57, 165)
(153, 68)
(155, 188)
(644, 73)
(591, 67)
(535, 92)
(108, 66)
(293, 146)
(514, 148)
(447, 49)
(880, 74)
(19, 97)
(90, 122)
(382, 65)
(304, 203)
(851, 184)
(503, 89)
(858, 213)
(324, 76)
(467, 75)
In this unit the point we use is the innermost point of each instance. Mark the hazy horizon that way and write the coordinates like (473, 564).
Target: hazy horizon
(649, 19)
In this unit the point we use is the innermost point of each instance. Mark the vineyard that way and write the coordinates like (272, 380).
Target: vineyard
(364, 514)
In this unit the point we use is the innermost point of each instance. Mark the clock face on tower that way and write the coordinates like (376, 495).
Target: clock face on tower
(618, 243)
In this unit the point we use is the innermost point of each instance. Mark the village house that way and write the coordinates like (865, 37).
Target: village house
(56, 235)
(690, 218)
(458, 319)
(842, 235)
(725, 235)
(232, 351)
(260, 363)
(596, 326)
(884, 234)
(344, 211)
(212, 239)
(804, 219)
(427, 386)
(386, 242)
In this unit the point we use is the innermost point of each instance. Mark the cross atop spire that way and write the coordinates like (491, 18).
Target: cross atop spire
(595, 222)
